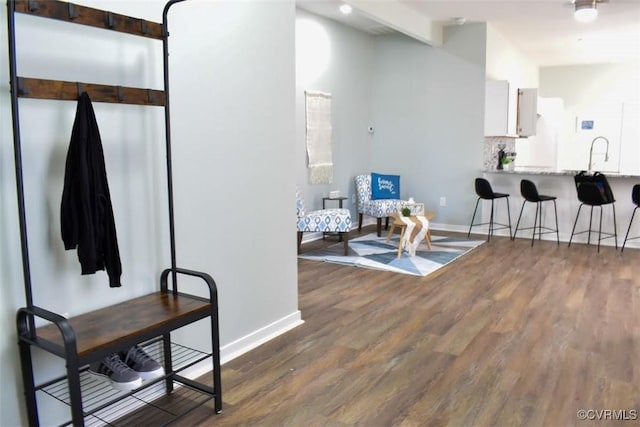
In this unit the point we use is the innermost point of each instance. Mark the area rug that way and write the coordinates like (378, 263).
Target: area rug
(371, 251)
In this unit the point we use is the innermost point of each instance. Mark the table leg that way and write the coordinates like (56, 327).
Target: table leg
(402, 231)
(427, 238)
(390, 233)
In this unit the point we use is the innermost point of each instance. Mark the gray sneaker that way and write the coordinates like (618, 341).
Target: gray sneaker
(113, 369)
(136, 359)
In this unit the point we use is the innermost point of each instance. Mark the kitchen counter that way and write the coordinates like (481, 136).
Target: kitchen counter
(562, 185)
(518, 171)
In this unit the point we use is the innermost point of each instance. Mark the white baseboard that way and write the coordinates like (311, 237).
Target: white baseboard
(248, 342)
(369, 220)
(564, 236)
(254, 339)
(309, 237)
(448, 227)
(482, 230)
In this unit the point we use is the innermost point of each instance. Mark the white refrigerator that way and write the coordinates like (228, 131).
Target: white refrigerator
(540, 152)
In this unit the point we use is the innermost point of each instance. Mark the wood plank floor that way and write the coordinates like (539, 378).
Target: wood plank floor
(508, 335)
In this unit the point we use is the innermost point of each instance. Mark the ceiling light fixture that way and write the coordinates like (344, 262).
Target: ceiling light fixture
(345, 9)
(585, 10)
(460, 20)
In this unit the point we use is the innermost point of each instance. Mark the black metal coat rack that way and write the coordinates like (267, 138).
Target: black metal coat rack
(148, 319)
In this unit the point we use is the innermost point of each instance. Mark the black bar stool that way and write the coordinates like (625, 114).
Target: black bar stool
(530, 193)
(591, 194)
(485, 192)
(635, 196)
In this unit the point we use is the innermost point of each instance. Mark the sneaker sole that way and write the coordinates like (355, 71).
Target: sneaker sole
(150, 375)
(131, 385)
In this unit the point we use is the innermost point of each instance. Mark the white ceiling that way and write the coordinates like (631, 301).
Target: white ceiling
(543, 30)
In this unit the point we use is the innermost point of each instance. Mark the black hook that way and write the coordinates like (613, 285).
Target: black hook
(110, 21)
(149, 96)
(143, 26)
(72, 12)
(80, 88)
(33, 5)
(120, 94)
(22, 90)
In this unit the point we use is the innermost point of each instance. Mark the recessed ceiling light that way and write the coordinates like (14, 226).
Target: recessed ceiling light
(345, 9)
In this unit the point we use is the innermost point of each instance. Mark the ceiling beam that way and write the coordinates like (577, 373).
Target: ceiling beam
(401, 18)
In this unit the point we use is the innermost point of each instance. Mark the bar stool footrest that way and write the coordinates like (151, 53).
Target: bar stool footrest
(608, 235)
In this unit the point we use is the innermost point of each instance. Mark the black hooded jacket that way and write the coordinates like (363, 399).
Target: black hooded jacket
(86, 214)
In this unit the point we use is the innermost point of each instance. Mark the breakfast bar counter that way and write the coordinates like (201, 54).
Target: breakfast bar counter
(532, 171)
(561, 184)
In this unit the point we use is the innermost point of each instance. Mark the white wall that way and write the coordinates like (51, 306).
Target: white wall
(591, 83)
(337, 59)
(506, 62)
(233, 97)
(233, 134)
(429, 119)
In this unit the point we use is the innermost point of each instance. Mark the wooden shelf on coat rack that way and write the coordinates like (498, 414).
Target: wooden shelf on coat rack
(70, 91)
(84, 15)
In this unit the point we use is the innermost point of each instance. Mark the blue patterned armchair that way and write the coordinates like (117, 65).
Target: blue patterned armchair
(323, 220)
(381, 208)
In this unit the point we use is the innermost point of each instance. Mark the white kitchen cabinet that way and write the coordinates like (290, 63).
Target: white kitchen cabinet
(527, 112)
(509, 111)
(496, 109)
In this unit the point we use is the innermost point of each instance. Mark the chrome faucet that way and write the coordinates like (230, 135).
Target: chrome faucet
(606, 154)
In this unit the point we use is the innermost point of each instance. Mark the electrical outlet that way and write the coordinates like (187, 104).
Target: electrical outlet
(443, 201)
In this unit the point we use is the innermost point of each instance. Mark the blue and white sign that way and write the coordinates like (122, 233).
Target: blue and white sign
(586, 125)
(385, 186)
